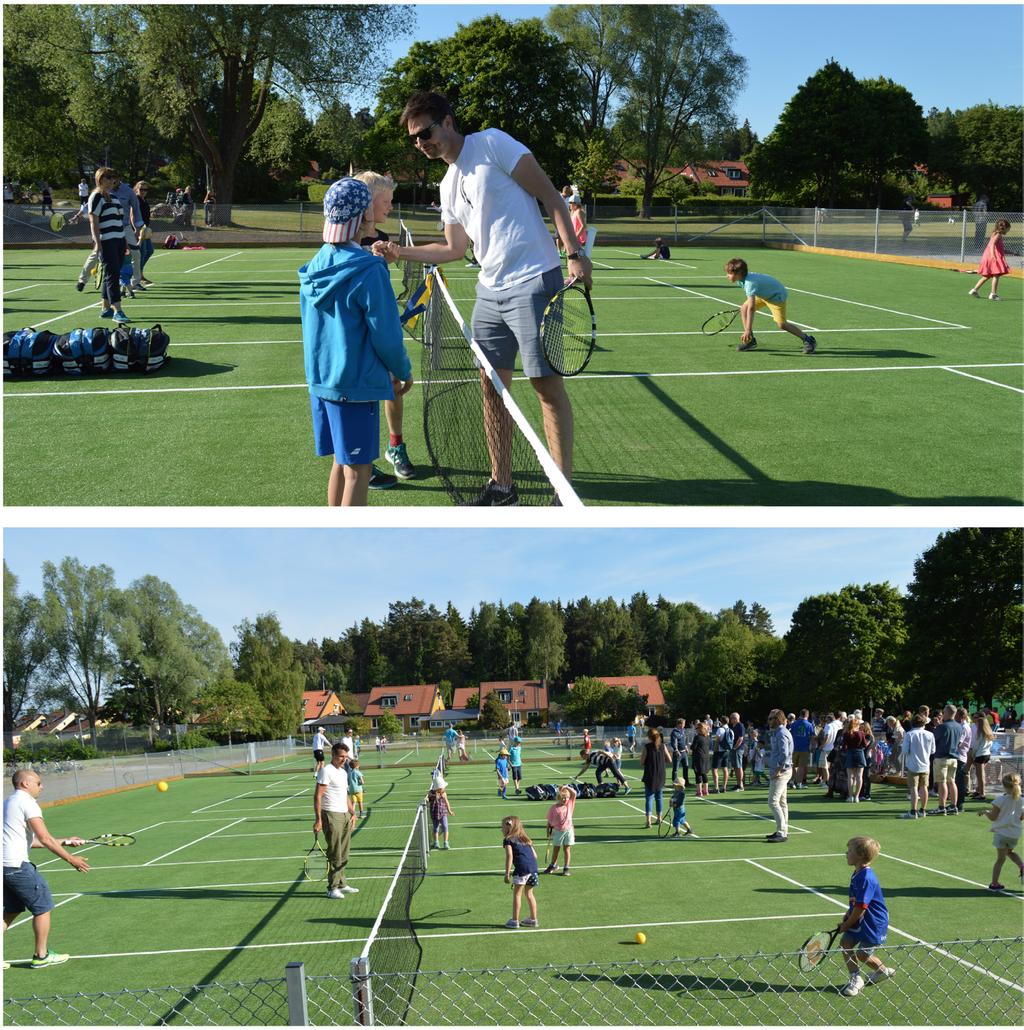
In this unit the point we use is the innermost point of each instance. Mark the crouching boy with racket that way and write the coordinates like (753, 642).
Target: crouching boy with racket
(763, 291)
(866, 922)
(352, 340)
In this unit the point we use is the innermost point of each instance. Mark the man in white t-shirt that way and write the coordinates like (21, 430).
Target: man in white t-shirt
(917, 749)
(333, 811)
(349, 742)
(24, 888)
(489, 201)
(319, 747)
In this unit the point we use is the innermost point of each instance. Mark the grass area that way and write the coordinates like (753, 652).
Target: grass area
(914, 396)
(212, 893)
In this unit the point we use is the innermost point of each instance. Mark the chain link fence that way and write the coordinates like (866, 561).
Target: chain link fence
(962, 982)
(954, 236)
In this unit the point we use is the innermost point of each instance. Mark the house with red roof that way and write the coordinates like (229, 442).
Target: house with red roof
(730, 178)
(412, 706)
(645, 686)
(321, 706)
(522, 698)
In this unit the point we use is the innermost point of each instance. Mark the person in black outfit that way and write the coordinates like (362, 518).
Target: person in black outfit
(653, 757)
(700, 755)
(602, 763)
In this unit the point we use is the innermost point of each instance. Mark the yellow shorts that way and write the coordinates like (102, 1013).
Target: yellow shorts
(778, 310)
(357, 798)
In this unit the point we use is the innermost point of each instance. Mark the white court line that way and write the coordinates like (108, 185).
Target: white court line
(768, 818)
(939, 872)
(981, 379)
(917, 940)
(671, 261)
(495, 931)
(214, 262)
(198, 840)
(875, 307)
(7, 293)
(227, 801)
(68, 314)
(28, 919)
(305, 790)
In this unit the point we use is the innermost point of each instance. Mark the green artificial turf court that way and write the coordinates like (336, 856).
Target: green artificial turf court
(914, 396)
(212, 893)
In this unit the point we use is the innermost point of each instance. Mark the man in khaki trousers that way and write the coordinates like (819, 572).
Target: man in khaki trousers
(780, 771)
(333, 811)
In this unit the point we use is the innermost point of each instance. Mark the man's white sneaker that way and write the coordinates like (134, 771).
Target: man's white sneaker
(879, 975)
(347, 888)
(335, 893)
(853, 986)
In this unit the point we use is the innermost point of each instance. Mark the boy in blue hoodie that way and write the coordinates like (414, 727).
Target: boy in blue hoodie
(352, 342)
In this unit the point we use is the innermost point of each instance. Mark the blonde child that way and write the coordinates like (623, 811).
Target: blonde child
(1006, 814)
(993, 262)
(760, 758)
(501, 768)
(520, 869)
(866, 923)
(560, 828)
(355, 786)
(679, 808)
(763, 291)
(440, 808)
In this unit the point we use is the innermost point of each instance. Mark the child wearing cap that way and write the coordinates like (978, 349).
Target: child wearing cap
(352, 342)
(501, 767)
(440, 809)
(679, 808)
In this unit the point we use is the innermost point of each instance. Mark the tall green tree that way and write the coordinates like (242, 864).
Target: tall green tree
(599, 48)
(587, 701)
(263, 656)
(80, 618)
(991, 141)
(964, 615)
(493, 714)
(211, 69)
(898, 138)
(25, 648)
(167, 652)
(545, 640)
(682, 79)
(230, 706)
(823, 129)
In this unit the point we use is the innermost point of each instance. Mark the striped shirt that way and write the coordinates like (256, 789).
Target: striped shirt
(108, 211)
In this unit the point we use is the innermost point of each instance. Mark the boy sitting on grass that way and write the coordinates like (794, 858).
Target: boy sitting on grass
(866, 922)
(763, 291)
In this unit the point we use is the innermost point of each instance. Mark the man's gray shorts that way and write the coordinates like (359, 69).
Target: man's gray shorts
(510, 320)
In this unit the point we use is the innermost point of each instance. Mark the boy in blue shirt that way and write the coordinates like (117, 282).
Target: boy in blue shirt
(352, 341)
(866, 922)
(763, 291)
(501, 768)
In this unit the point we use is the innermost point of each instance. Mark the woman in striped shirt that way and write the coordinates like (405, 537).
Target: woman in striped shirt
(107, 224)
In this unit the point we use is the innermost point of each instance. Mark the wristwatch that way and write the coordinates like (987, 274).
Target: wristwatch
(573, 257)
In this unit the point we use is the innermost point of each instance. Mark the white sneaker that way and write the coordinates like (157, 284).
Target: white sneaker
(994, 296)
(853, 986)
(879, 975)
(335, 893)
(972, 293)
(347, 888)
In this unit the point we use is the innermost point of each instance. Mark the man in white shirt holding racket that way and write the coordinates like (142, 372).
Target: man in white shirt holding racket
(489, 201)
(333, 810)
(24, 887)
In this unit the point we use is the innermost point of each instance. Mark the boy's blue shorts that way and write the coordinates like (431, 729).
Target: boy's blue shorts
(347, 430)
(678, 816)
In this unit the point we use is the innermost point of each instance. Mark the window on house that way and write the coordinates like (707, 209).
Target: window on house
(734, 173)
(712, 172)
(414, 720)
(505, 696)
(388, 701)
(408, 697)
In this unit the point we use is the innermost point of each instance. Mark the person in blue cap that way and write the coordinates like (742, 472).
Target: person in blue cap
(352, 343)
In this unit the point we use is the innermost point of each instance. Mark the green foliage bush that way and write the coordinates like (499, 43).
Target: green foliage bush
(195, 739)
(52, 751)
(316, 191)
(162, 745)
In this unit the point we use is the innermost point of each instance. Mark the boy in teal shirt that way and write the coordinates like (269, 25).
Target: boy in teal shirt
(763, 291)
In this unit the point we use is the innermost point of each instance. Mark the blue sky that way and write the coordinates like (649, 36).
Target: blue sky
(320, 581)
(946, 55)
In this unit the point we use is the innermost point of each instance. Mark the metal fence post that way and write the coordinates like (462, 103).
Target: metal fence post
(877, 216)
(362, 991)
(675, 220)
(113, 769)
(145, 755)
(963, 235)
(295, 978)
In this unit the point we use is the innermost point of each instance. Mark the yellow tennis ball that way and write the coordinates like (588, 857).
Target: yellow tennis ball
(641, 938)
(162, 786)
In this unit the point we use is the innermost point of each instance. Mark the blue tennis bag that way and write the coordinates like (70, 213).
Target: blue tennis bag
(84, 350)
(28, 352)
(535, 793)
(139, 350)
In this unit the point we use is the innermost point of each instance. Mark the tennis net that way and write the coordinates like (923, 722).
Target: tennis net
(473, 427)
(385, 972)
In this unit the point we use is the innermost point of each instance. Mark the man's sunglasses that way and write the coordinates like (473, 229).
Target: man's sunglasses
(424, 134)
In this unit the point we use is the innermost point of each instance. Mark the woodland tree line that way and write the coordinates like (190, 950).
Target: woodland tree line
(259, 95)
(141, 654)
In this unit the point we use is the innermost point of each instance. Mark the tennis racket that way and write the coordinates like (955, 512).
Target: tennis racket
(57, 221)
(665, 827)
(547, 850)
(816, 948)
(568, 329)
(719, 321)
(314, 868)
(112, 840)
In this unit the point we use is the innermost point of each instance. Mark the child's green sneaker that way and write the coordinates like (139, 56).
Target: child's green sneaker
(51, 958)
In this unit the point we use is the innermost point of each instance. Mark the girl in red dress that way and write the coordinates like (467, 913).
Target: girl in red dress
(993, 262)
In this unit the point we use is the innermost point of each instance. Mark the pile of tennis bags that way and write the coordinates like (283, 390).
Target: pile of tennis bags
(35, 352)
(549, 792)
